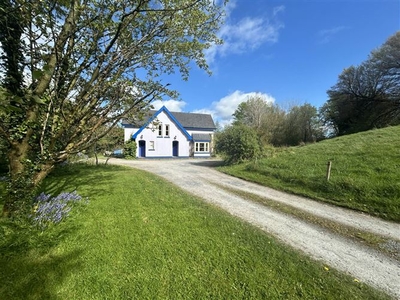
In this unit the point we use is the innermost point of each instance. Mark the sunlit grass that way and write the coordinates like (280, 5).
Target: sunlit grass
(142, 238)
(365, 173)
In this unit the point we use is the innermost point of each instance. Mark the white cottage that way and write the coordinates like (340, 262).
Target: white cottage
(172, 134)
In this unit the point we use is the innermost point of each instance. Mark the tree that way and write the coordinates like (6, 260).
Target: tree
(367, 96)
(238, 143)
(251, 112)
(302, 125)
(112, 141)
(107, 144)
(69, 68)
(264, 117)
(272, 130)
(275, 126)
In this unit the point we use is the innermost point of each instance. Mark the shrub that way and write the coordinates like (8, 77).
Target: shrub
(238, 143)
(130, 149)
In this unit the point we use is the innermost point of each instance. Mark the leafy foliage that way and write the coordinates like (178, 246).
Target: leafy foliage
(273, 125)
(71, 70)
(238, 143)
(252, 112)
(130, 149)
(3, 157)
(367, 96)
(11, 22)
(112, 141)
(302, 125)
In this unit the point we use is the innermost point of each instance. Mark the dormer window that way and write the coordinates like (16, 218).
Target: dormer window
(166, 130)
(160, 130)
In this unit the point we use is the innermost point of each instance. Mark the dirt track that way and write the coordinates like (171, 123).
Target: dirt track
(361, 262)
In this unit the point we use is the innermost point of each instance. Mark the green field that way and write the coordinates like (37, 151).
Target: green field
(365, 172)
(142, 238)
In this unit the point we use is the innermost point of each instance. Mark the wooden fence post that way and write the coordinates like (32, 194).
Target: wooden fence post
(328, 170)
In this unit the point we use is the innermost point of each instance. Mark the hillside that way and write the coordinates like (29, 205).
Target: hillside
(365, 172)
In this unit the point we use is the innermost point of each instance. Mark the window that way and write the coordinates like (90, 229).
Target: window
(159, 130)
(151, 145)
(201, 147)
(166, 130)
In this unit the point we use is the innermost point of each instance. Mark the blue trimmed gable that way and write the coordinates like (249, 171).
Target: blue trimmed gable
(169, 114)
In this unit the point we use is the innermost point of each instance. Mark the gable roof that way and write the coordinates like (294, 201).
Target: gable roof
(187, 120)
(194, 120)
(163, 109)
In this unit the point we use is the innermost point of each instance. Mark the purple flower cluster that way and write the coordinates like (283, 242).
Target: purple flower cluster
(51, 210)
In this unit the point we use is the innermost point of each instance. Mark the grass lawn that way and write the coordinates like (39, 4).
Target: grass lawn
(142, 238)
(365, 173)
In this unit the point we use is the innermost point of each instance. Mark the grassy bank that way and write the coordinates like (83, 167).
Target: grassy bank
(365, 172)
(141, 238)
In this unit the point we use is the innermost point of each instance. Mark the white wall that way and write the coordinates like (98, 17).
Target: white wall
(163, 144)
(128, 132)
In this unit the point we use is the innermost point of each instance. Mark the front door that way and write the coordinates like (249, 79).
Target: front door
(175, 147)
(142, 148)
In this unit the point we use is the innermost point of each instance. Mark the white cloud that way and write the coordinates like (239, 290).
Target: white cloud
(204, 111)
(326, 35)
(278, 9)
(229, 7)
(223, 109)
(172, 105)
(245, 35)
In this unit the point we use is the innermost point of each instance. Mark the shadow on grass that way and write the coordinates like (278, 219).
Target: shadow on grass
(22, 278)
(88, 180)
(30, 268)
(209, 163)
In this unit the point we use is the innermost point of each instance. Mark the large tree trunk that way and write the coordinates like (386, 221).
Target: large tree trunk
(18, 196)
(19, 184)
(42, 174)
(23, 181)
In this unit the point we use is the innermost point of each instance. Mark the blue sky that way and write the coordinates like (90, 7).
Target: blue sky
(288, 51)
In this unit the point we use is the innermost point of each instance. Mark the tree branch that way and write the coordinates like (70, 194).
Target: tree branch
(65, 33)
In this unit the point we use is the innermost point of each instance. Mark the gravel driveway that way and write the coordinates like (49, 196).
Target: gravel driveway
(363, 263)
